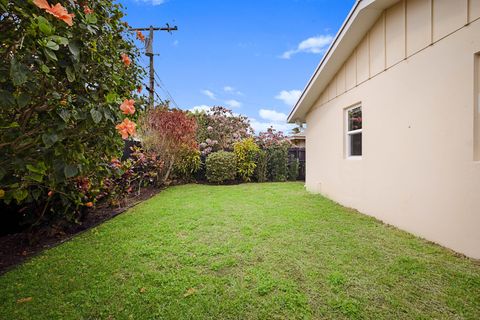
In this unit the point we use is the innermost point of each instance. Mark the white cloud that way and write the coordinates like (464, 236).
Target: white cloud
(233, 103)
(318, 45)
(289, 97)
(209, 94)
(262, 126)
(231, 90)
(272, 115)
(152, 2)
(271, 118)
(200, 108)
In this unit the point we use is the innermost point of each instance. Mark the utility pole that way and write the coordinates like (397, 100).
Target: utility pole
(149, 53)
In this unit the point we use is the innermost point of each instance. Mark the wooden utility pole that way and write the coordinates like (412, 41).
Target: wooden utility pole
(149, 53)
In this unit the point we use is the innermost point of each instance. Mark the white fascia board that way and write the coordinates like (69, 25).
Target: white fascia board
(360, 20)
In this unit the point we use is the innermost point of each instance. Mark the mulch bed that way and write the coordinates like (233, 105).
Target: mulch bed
(19, 247)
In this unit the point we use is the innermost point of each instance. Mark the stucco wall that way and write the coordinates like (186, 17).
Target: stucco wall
(418, 170)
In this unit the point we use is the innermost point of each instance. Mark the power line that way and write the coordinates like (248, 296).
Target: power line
(165, 90)
(150, 54)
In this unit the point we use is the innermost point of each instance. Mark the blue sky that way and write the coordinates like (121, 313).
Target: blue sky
(253, 56)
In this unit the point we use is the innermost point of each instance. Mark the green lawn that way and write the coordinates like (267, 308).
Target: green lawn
(252, 251)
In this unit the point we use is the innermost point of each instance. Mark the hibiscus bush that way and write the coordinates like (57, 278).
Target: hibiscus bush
(67, 66)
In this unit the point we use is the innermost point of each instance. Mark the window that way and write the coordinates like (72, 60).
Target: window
(354, 132)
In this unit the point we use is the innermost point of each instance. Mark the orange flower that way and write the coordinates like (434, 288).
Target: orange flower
(140, 36)
(89, 204)
(50, 193)
(126, 128)
(139, 89)
(126, 59)
(58, 11)
(127, 106)
(87, 10)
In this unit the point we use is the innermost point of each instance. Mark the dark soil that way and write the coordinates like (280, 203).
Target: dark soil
(17, 247)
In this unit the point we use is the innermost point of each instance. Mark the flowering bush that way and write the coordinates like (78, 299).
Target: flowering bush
(246, 153)
(169, 134)
(66, 70)
(221, 167)
(219, 129)
(276, 146)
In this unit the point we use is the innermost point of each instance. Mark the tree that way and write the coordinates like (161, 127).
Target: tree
(65, 71)
(219, 129)
(168, 134)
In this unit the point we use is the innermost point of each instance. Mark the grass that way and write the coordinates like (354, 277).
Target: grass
(252, 251)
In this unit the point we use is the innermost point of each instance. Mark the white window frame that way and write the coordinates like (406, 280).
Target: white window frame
(348, 134)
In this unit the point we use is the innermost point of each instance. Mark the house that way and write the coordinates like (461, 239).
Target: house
(393, 118)
(297, 139)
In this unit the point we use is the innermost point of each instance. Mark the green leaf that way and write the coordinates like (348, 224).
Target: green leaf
(70, 74)
(108, 116)
(91, 19)
(70, 171)
(36, 194)
(44, 26)
(18, 72)
(35, 177)
(64, 114)
(20, 195)
(49, 139)
(38, 168)
(23, 99)
(52, 45)
(45, 68)
(6, 99)
(59, 40)
(50, 54)
(74, 47)
(111, 97)
(96, 115)
(11, 125)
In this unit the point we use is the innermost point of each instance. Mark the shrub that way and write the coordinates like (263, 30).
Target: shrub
(129, 176)
(293, 168)
(169, 134)
(61, 85)
(261, 173)
(277, 162)
(245, 154)
(276, 145)
(188, 163)
(221, 167)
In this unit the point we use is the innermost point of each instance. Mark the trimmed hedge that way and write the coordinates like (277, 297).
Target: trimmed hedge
(221, 167)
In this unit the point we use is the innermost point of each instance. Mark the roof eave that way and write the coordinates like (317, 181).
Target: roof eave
(360, 19)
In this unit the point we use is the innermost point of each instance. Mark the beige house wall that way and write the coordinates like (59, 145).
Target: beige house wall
(414, 75)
